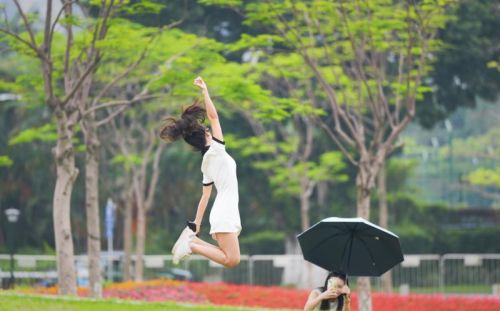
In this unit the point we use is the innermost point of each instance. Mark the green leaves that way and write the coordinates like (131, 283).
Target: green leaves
(286, 175)
(289, 180)
(330, 166)
(127, 161)
(228, 3)
(45, 133)
(5, 161)
(493, 64)
(263, 40)
(254, 145)
(485, 177)
(143, 7)
(73, 20)
(353, 43)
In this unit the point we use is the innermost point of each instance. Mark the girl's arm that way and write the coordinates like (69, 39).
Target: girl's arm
(312, 301)
(347, 298)
(347, 303)
(212, 115)
(202, 205)
(315, 298)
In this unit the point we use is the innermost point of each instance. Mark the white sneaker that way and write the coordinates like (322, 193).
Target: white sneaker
(181, 236)
(181, 248)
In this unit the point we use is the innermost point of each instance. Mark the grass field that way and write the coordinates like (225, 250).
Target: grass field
(449, 289)
(11, 301)
(14, 302)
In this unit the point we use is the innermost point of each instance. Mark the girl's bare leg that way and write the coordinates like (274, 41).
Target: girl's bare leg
(199, 241)
(228, 252)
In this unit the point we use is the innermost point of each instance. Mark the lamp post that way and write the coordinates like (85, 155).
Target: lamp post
(110, 223)
(12, 217)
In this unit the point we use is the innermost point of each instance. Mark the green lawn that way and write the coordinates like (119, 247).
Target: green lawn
(454, 289)
(449, 289)
(16, 302)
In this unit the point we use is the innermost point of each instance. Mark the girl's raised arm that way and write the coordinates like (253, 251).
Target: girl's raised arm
(212, 115)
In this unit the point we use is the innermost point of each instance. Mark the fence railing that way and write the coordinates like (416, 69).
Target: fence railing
(422, 273)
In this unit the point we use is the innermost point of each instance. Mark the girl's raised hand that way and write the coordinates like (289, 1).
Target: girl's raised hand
(330, 294)
(200, 83)
(345, 290)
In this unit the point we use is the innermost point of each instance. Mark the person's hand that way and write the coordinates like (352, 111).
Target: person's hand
(330, 294)
(345, 290)
(200, 83)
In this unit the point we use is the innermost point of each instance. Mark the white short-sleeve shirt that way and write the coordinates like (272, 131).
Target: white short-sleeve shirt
(219, 168)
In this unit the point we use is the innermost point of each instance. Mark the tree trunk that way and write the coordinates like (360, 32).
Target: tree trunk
(306, 189)
(66, 176)
(384, 221)
(144, 200)
(127, 239)
(363, 202)
(92, 208)
(141, 239)
(322, 189)
(304, 212)
(306, 223)
(364, 294)
(382, 198)
(363, 210)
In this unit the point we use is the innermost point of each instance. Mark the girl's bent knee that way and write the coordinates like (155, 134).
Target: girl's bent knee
(232, 262)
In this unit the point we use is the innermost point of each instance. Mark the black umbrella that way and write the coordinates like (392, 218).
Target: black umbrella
(354, 246)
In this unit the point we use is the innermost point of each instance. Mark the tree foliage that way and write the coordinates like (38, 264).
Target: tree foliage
(467, 67)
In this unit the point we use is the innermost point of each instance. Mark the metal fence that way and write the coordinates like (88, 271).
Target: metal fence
(450, 273)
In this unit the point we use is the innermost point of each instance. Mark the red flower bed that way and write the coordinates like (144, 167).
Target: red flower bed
(155, 290)
(279, 297)
(181, 293)
(251, 296)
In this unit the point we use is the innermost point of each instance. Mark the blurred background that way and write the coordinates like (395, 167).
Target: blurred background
(441, 184)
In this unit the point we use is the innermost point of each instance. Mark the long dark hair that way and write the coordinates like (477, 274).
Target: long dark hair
(189, 126)
(324, 303)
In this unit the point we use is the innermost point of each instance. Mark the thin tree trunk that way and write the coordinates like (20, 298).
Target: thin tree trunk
(322, 190)
(304, 211)
(382, 198)
(363, 210)
(306, 189)
(139, 189)
(144, 199)
(141, 228)
(141, 239)
(306, 223)
(66, 176)
(92, 207)
(127, 239)
(384, 221)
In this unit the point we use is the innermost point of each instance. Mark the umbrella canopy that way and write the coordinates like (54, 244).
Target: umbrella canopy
(354, 246)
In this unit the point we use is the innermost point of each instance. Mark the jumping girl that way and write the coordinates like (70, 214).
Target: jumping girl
(218, 169)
